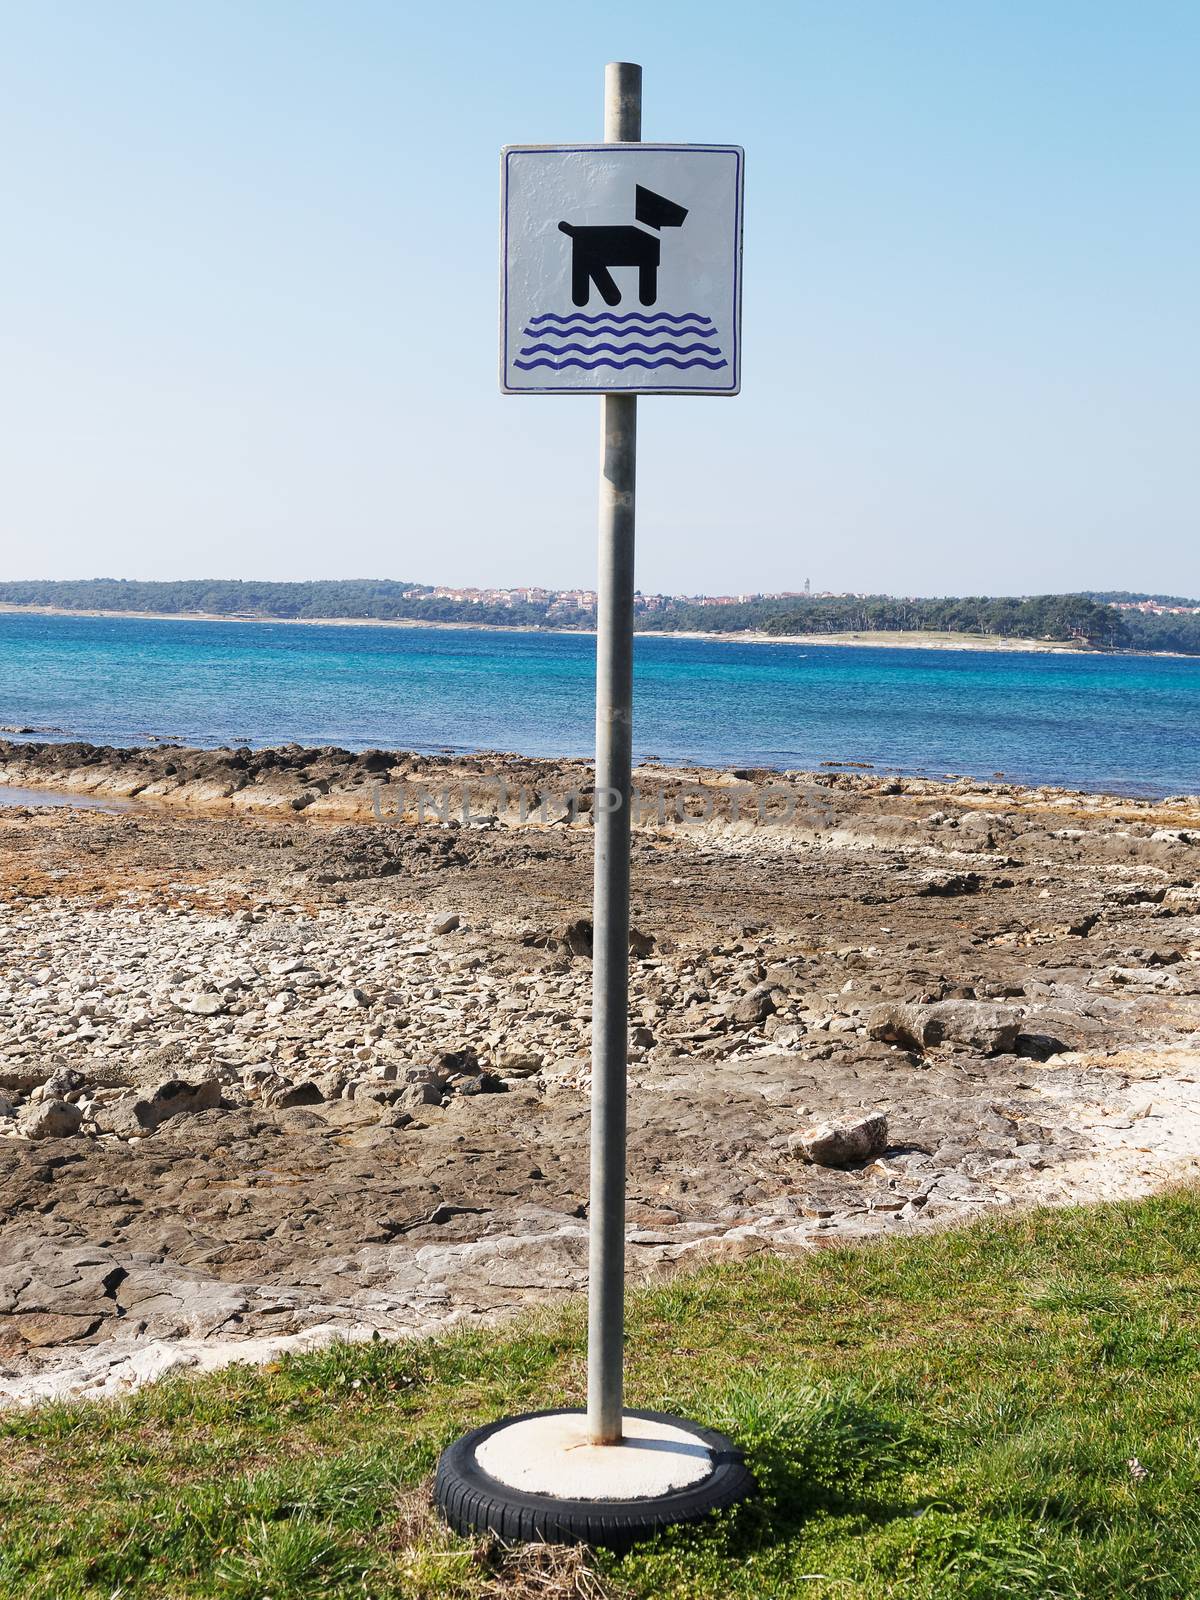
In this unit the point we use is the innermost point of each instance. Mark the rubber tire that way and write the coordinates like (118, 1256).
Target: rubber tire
(473, 1502)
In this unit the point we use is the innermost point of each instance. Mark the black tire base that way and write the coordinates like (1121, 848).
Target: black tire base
(473, 1502)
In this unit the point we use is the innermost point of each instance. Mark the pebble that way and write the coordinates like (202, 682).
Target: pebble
(123, 986)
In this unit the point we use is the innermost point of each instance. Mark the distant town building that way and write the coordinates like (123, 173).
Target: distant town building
(1154, 608)
(560, 603)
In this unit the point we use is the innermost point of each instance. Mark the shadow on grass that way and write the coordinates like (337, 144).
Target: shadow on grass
(812, 1450)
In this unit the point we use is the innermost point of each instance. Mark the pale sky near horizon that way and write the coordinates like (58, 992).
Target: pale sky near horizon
(248, 294)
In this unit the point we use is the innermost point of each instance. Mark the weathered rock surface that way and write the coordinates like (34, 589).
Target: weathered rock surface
(300, 1109)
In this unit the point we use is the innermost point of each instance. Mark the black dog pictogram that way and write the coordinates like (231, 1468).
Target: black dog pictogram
(595, 250)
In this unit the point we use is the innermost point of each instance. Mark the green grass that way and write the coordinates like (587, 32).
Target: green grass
(951, 1416)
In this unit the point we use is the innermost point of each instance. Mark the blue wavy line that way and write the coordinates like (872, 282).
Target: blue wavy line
(623, 349)
(590, 366)
(611, 316)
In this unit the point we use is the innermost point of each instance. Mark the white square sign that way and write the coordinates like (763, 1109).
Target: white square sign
(621, 269)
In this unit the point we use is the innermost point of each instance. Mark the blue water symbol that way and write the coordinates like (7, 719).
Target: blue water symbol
(649, 339)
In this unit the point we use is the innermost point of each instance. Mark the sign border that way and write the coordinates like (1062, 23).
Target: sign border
(711, 391)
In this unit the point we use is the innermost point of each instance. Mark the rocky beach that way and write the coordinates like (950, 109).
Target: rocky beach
(294, 1043)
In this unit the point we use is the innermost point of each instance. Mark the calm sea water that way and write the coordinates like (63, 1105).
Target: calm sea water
(1125, 723)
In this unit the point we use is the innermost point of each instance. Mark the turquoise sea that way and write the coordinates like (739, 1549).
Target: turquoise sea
(1124, 723)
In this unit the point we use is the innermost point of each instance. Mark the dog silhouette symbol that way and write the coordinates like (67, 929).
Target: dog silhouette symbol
(595, 250)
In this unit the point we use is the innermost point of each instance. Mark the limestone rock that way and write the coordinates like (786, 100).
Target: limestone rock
(789, 1037)
(415, 1096)
(42, 1329)
(298, 1094)
(202, 1004)
(139, 1114)
(990, 1029)
(510, 1063)
(576, 938)
(61, 1084)
(950, 883)
(752, 1008)
(484, 1083)
(843, 1144)
(50, 1119)
(267, 1220)
(19, 1078)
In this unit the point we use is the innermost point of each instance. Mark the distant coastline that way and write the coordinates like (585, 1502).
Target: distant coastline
(909, 640)
(1097, 621)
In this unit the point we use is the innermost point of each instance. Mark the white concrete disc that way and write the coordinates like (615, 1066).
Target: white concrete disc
(551, 1455)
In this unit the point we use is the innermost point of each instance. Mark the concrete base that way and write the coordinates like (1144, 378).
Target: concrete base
(551, 1455)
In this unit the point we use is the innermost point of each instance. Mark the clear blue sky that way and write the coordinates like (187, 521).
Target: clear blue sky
(248, 293)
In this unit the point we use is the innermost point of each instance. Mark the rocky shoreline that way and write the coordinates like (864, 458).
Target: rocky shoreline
(295, 1046)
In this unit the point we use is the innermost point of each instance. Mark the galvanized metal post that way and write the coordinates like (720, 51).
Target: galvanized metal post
(610, 912)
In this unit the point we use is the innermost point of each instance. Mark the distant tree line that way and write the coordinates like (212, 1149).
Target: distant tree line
(1059, 617)
(370, 599)
(1178, 634)
(1087, 620)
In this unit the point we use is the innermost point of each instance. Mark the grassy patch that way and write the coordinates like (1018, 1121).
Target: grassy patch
(950, 1416)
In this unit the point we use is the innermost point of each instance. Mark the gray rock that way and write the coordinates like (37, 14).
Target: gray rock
(138, 1114)
(50, 1119)
(843, 1144)
(512, 1063)
(485, 1083)
(203, 1004)
(576, 937)
(62, 1082)
(990, 1029)
(789, 1037)
(414, 1096)
(299, 1094)
(752, 1008)
(949, 883)
(455, 1063)
(21, 1078)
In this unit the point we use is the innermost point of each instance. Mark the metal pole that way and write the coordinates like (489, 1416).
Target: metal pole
(610, 911)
